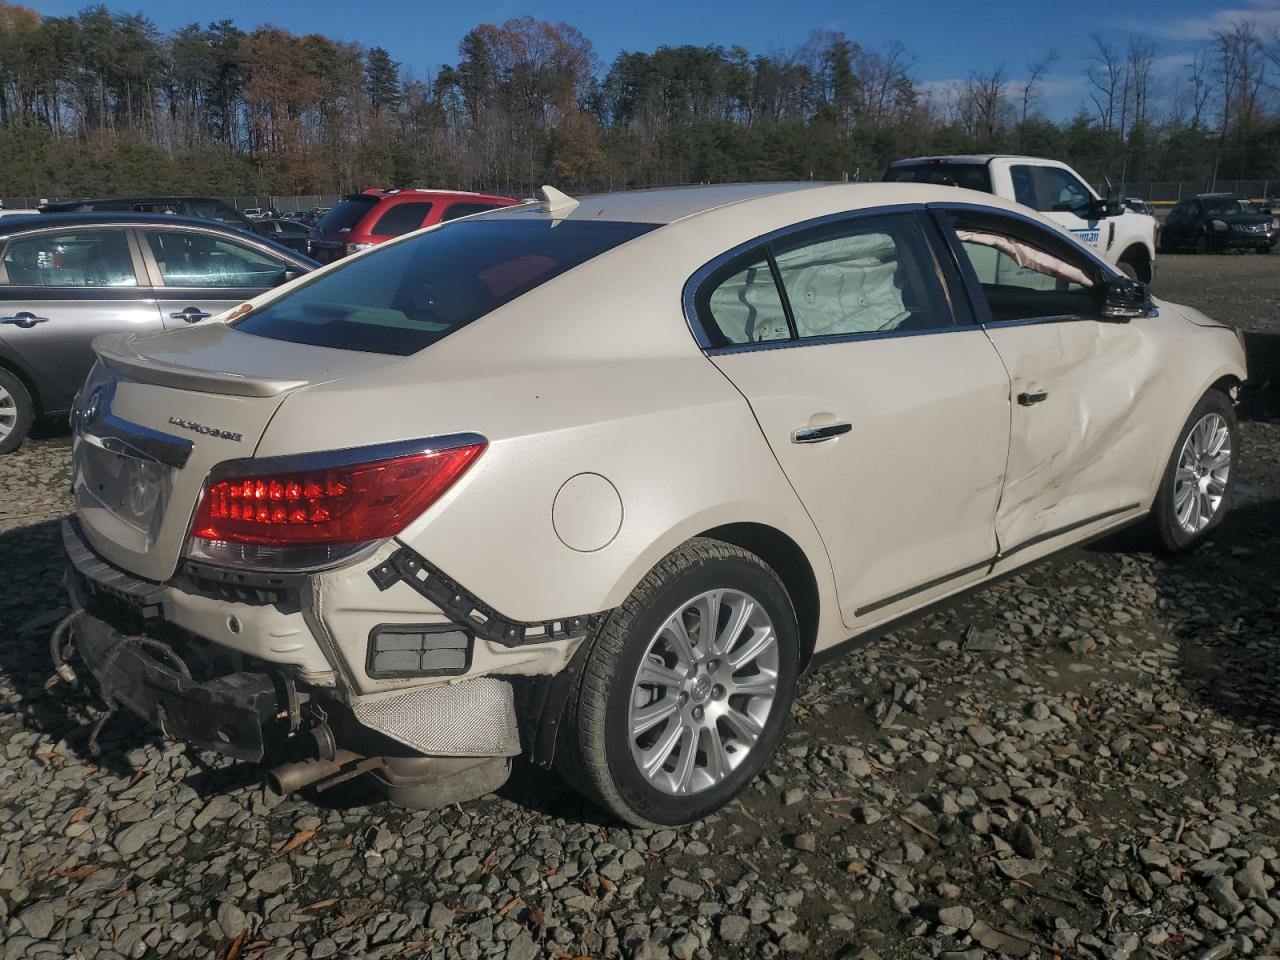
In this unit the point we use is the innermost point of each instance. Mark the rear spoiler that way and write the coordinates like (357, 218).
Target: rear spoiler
(116, 351)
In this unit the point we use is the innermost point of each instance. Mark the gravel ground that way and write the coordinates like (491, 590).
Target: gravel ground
(1080, 762)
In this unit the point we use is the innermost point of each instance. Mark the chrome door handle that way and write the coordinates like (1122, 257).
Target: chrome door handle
(817, 434)
(1030, 399)
(24, 320)
(190, 314)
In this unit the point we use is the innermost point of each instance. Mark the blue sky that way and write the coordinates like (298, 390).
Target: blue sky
(946, 39)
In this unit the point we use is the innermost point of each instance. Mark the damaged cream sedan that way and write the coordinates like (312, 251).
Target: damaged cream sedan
(596, 481)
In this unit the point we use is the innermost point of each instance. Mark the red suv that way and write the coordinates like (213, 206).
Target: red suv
(362, 219)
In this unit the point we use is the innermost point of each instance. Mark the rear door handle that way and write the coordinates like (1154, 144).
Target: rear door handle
(1030, 399)
(190, 314)
(827, 431)
(24, 320)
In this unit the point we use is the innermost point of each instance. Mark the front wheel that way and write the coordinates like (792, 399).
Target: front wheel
(685, 688)
(1195, 490)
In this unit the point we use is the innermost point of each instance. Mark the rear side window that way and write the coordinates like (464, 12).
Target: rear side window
(401, 218)
(866, 275)
(743, 305)
(1024, 185)
(347, 213)
(404, 297)
(972, 176)
(466, 209)
(79, 258)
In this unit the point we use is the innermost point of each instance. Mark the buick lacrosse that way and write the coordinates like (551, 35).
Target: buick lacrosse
(595, 481)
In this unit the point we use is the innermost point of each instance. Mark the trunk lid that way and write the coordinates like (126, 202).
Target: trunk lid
(160, 411)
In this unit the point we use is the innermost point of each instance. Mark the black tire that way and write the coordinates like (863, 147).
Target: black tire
(1202, 243)
(1169, 535)
(17, 411)
(1128, 269)
(594, 753)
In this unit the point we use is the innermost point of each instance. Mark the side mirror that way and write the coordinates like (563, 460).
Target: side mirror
(290, 274)
(1123, 299)
(1112, 205)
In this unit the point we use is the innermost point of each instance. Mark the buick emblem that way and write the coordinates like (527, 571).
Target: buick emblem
(92, 409)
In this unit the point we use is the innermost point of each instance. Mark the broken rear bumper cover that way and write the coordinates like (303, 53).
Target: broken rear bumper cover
(238, 702)
(228, 714)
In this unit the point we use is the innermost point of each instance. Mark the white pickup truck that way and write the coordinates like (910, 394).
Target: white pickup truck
(1118, 235)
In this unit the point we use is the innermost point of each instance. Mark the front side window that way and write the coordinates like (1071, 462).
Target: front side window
(403, 297)
(76, 258)
(401, 218)
(1061, 191)
(202, 260)
(1026, 274)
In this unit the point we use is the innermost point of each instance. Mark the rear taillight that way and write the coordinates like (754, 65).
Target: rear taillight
(312, 514)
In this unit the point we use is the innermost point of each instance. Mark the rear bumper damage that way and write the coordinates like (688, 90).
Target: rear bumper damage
(423, 745)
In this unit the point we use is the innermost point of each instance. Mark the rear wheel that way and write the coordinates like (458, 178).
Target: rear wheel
(685, 688)
(1195, 490)
(1202, 243)
(17, 411)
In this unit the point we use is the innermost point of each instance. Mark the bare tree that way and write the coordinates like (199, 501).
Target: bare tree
(1138, 63)
(982, 104)
(1106, 75)
(1029, 90)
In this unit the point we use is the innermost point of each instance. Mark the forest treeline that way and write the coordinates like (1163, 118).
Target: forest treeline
(105, 103)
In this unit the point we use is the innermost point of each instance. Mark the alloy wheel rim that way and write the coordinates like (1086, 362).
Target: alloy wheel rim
(704, 689)
(8, 413)
(1200, 480)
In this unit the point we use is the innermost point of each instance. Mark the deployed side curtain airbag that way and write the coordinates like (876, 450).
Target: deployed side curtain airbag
(844, 285)
(1027, 256)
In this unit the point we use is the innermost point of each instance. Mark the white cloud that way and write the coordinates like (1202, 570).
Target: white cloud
(1264, 14)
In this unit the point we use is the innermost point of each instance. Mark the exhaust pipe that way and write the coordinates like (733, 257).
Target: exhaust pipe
(288, 777)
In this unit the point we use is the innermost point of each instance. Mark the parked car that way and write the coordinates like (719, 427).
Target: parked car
(362, 220)
(1121, 237)
(253, 213)
(66, 278)
(633, 462)
(205, 208)
(287, 233)
(1215, 222)
(18, 212)
(1138, 205)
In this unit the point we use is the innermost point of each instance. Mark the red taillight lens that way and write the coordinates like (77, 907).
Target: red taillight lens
(332, 507)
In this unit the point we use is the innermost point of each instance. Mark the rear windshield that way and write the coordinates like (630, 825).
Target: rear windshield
(974, 176)
(347, 213)
(406, 296)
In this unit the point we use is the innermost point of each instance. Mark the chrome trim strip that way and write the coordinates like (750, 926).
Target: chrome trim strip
(840, 338)
(347, 456)
(927, 585)
(117, 435)
(1050, 534)
(992, 562)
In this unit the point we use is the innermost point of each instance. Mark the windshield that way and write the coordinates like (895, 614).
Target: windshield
(404, 297)
(217, 210)
(1227, 205)
(347, 213)
(974, 176)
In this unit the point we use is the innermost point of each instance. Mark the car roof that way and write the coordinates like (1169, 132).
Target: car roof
(427, 193)
(87, 218)
(669, 204)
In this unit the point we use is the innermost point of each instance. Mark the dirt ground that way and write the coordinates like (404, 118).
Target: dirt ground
(1079, 762)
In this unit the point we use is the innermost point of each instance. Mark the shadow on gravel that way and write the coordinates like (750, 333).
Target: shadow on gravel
(1221, 604)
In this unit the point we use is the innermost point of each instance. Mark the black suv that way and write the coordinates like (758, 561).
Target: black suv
(1213, 222)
